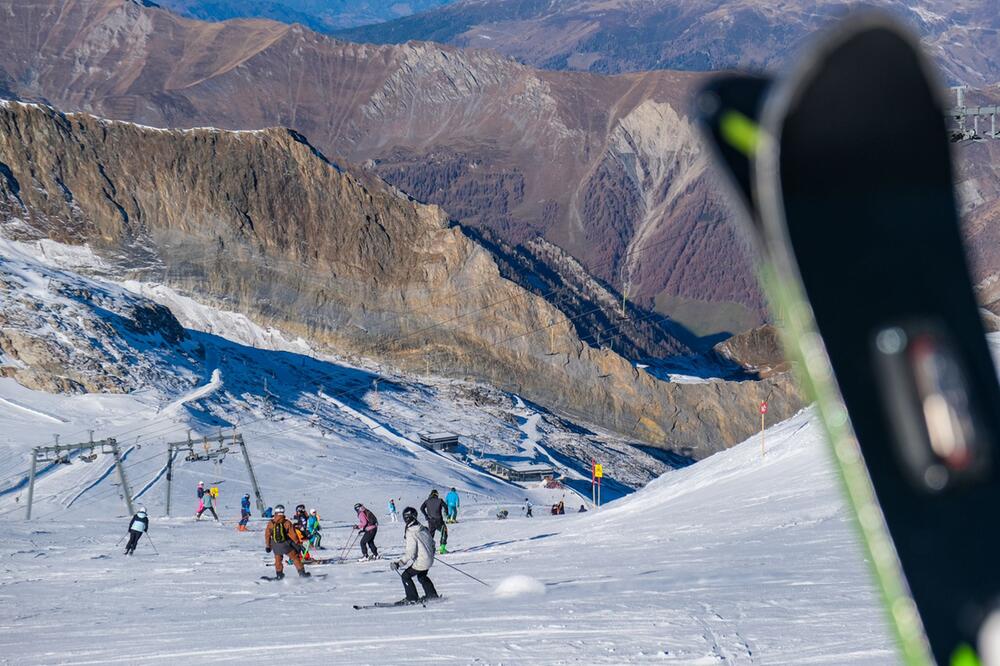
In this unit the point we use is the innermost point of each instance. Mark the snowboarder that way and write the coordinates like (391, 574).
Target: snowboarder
(583, 509)
(244, 513)
(418, 558)
(451, 499)
(368, 526)
(138, 526)
(208, 504)
(527, 508)
(433, 510)
(392, 510)
(281, 538)
(313, 528)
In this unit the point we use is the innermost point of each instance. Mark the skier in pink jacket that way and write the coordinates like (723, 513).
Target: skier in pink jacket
(368, 526)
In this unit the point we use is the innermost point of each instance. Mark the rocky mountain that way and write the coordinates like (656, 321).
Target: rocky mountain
(261, 222)
(614, 36)
(610, 169)
(321, 15)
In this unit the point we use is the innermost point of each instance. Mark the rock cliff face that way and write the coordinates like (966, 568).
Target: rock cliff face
(607, 168)
(261, 222)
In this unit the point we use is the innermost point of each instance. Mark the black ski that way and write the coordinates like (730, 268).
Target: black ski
(851, 192)
(422, 602)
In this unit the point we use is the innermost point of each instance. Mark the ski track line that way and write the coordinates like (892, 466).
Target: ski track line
(32, 411)
(342, 643)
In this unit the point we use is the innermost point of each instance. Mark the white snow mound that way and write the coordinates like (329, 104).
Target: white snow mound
(519, 586)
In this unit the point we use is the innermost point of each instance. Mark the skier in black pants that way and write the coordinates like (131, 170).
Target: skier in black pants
(138, 526)
(368, 526)
(434, 510)
(418, 558)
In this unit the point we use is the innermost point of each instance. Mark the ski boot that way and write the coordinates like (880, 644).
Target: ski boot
(443, 550)
(279, 575)
(304, 574)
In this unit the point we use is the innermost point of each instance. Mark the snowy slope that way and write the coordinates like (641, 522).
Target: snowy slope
(734, 560)
(737, 559)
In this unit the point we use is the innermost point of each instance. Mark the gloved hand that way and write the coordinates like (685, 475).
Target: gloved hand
(268, 549)
(394, 566)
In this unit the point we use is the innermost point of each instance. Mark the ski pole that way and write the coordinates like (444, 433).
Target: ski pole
(351, 540)
(151, 543)
(460, 571)
(120, 540)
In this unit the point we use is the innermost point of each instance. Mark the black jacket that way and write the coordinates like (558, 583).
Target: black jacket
(433, 509)
(142, 527)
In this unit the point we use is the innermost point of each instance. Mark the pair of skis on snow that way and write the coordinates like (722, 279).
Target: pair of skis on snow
(844, 177)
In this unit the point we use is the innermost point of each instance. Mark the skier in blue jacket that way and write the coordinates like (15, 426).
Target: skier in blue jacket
(244, 513)
(451, 499)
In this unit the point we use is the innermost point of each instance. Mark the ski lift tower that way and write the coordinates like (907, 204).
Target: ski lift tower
(961, 114)
(61, 454)
(214, 449)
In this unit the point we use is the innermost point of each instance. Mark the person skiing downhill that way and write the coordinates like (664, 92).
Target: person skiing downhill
(433, 510)
(138, 526)
(418, 558)
(368, 526)
(301, 519)
(244, 513)
(451, 499)
(527, 508)
(203, 505)
(281, 538)
(313, 528)
(392, 510)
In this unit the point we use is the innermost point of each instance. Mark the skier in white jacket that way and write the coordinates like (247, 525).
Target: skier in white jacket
(418, 558)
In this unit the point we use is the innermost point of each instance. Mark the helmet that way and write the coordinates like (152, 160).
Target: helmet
(300, 507)
(434, 493)
(409, 515)
(142, 509)
(313, 512)
(201, 483)
(453, 489)
(280, 508)
(357, 507)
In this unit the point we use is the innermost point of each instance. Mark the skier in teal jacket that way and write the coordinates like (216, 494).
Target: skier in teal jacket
(451, 499)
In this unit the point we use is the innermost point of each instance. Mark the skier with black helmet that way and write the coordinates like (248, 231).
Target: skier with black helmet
(368, 526)
(418, 558)
(281, 538)
(138, 526)
(433, 509)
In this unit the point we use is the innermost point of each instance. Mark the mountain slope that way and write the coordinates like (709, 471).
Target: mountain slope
(613, 36)
(264, 224)
(321, 15)
(610, 169)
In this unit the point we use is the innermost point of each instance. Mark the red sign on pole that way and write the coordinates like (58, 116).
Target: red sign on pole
(763, 408)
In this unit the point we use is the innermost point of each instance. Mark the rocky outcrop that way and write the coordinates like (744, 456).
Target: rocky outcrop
(51, 338)
(607, 168)
(262, 223)
(757, 350)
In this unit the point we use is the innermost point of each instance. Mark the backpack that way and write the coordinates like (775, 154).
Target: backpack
(372, 520)
(214, 492)
(278, 532)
